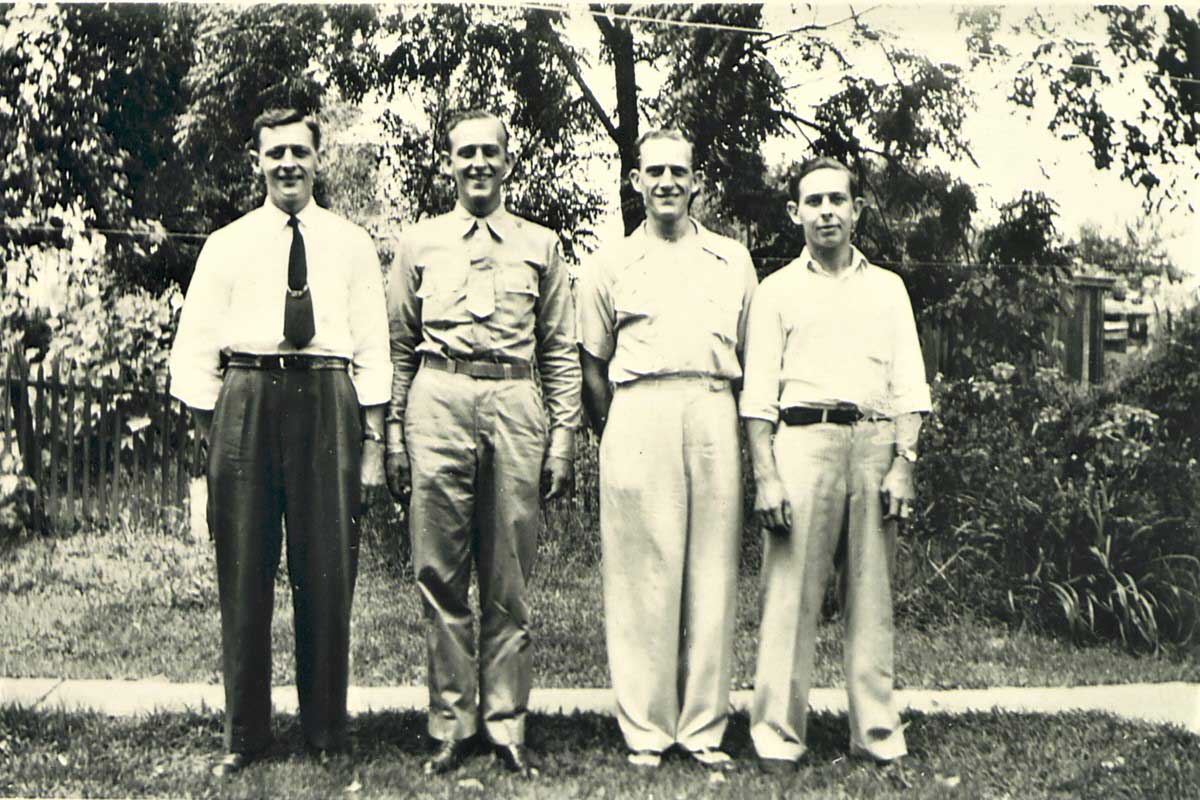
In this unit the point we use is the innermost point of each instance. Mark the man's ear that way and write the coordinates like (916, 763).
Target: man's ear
(635, 179)
(697, 184)
(252, 156)
(860, 205)
(444, 164)
(510, 165)
(793, 211)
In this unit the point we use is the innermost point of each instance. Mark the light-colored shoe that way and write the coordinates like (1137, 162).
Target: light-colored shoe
(645, 759)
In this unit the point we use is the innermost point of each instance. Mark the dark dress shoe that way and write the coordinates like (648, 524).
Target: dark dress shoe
(449, 755)
(517, 758)
(232, 764)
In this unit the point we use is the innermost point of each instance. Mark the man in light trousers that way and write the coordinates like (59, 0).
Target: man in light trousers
(834, 391)
(662, 316)
(478, 297)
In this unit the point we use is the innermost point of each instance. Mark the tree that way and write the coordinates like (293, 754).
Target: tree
(1131, 94)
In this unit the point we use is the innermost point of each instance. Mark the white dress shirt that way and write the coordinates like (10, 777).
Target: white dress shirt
(816, 338)
(236, 298)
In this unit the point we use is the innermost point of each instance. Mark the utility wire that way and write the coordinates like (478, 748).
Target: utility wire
(685, 23)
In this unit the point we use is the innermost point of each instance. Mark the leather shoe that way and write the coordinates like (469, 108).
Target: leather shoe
(448, 756)
(776, 766)
(232, 763)
(517, 758)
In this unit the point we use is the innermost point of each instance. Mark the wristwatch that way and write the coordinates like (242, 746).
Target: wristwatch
(907, 453)
(370, 435)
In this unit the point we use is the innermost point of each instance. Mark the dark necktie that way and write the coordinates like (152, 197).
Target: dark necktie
(298, 327)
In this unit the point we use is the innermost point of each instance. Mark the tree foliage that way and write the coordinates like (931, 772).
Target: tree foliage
(1131, 94)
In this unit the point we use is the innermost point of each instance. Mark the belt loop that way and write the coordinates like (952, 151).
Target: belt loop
(824, 415)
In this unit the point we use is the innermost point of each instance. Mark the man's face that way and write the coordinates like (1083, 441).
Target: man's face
(665, 178)
(288, 161)
(825, 209)
(479, 162)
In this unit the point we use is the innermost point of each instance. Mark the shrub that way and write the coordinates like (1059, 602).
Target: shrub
(1049, 505)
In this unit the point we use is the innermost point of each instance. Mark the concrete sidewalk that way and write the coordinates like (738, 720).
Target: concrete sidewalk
(1164, 703)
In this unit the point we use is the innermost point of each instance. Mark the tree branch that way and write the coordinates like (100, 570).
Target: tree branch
(568, 60)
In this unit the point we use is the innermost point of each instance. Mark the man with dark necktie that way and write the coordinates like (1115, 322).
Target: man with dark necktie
(282, 357)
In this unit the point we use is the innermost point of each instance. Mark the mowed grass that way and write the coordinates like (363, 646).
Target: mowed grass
(999, 755)
(132, 603)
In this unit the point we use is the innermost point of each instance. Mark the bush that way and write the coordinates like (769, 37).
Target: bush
(1048, 505)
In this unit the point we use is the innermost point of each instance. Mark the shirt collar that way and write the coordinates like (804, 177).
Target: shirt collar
(306, 215)
(499, 222)
(858, 262)
(703, 237)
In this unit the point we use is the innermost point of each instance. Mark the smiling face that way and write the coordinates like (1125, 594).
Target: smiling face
(665, 178)
(826, 210)
(479, 162)
(287, 158)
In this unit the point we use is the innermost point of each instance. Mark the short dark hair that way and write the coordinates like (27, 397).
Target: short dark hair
(458, 117)
(814, 164)
(277, 117)
(674, 134)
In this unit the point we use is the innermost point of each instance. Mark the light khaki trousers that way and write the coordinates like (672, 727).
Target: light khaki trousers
(670, 524)
(476, 448)
(828, 471)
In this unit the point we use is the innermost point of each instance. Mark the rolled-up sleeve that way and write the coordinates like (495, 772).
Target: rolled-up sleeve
(404, 328)
(558, 360)
(764, 359)
(195, 361)
(597, 319)
(372, 374)
(909, 389)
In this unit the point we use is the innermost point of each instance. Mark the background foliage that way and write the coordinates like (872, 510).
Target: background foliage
(125, 126)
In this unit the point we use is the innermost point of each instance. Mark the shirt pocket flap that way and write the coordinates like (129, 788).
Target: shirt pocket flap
(521, 278)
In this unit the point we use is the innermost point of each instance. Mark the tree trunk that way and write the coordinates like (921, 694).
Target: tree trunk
(619, 40)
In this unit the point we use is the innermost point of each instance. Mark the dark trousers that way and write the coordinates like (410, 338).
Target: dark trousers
(285, 444)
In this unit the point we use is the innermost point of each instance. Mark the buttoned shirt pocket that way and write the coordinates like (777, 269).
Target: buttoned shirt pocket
(518, 287)
(443, 294)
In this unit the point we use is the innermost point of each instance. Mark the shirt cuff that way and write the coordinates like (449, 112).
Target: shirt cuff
(373, 387)
(748, 408)
(562, 443)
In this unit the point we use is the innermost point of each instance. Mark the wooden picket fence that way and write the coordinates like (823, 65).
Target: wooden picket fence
(98, 449)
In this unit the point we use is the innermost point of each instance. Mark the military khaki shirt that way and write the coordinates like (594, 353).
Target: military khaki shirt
(484, 289)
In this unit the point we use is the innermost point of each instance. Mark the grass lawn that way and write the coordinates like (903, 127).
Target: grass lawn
(130, 603)
(973, 756)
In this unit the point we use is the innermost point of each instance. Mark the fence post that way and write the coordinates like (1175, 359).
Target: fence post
(1085, 341)
(52, 493)
(115, 492)
(69, 382)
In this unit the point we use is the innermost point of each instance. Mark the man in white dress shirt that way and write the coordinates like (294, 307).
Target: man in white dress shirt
(282, 357)
(834, 391)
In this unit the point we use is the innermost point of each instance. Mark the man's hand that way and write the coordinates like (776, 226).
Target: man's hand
(557, 474)
(399, 477)
(371, 471)
(771, 505)
(898, 492)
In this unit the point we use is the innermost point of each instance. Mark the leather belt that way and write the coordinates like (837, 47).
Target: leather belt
(494, 370)
(838, 415)
(282, 361)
